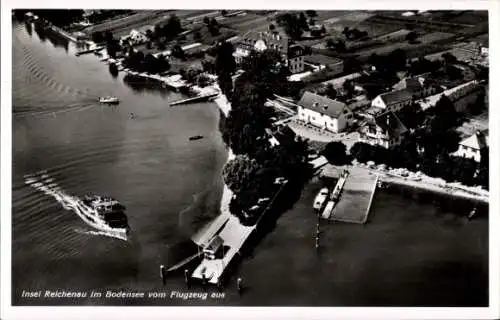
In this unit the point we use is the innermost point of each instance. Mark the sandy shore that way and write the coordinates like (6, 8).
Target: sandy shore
(439, 186)
(422, 182)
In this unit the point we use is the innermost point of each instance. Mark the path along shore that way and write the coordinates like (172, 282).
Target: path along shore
(419, 181)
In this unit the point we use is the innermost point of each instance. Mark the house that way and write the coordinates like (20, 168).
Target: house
(292, 54)
(385, 130)
(484, 48)
(324, 112)
(135, 37)
(405, 91)
(212, 250)
(394, 100)
(472, 147)
(315, 31)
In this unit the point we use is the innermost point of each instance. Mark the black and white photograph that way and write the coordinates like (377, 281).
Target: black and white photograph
(274, 157)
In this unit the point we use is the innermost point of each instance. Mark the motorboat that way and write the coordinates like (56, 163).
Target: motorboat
(109, 100)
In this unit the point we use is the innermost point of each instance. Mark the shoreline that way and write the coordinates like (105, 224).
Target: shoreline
(213, 227)
(448, 190)
(427, 183)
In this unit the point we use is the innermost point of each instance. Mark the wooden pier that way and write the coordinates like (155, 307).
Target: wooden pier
(357, 196)
(95, 49)
(335, 195)
(354, 196)
(200, 97)
(229, 235)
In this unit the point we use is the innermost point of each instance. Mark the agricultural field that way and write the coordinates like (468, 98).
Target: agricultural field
(434, 36)
(247, 21)
(123, 26)
(470, 18)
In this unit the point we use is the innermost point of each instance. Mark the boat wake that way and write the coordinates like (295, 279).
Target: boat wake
(41, 181)
(99, 233)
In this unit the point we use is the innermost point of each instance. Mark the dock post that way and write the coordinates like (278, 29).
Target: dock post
(239, 286)
(186, 278)
(204, 280)
(163, 275)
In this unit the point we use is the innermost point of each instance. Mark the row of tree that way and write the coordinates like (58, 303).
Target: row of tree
(58, 17)
(295, 24)
(448, 167)
(251, 175)
(139, 62)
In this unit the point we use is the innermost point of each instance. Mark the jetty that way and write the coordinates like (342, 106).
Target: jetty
(335, 195)
(223, 240)
(199, 97)
(355, 195)
(90, 50)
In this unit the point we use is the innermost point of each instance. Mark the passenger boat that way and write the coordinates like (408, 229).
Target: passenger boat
(109, 100)
(105, 214)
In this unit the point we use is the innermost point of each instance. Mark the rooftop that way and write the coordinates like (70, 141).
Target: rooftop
(323, 105)
(272, 40)
(396, 96)
(477, 141)
(389, 123)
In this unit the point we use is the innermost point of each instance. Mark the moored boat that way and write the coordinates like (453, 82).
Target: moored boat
(109, 100)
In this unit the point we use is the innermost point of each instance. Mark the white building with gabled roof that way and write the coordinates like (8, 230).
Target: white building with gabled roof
(472, 147)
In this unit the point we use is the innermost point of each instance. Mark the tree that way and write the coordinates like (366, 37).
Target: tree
(113, 69)
(330, 91)
(464, 170)
(449, 58)
(108, 37)
(364, 152)
(411, 37)
(483, 172)
(335, 153)
(238, 172)
(223, 13)
(311, 13)
(348, 87)
(173, 27)
(224, 59)
(330, 44)
(178, 52)
(351, 65)
(206, 20)
(292, 26)
(272, 27)
(197, 35)
(303, 21)
(396, 60)
(479, 105)
(98, 37)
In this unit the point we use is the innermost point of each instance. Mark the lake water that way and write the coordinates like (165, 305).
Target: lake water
(416, 249)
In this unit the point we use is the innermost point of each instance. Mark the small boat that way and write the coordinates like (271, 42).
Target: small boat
(472, 213)
(198, 137)
(109, 100)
